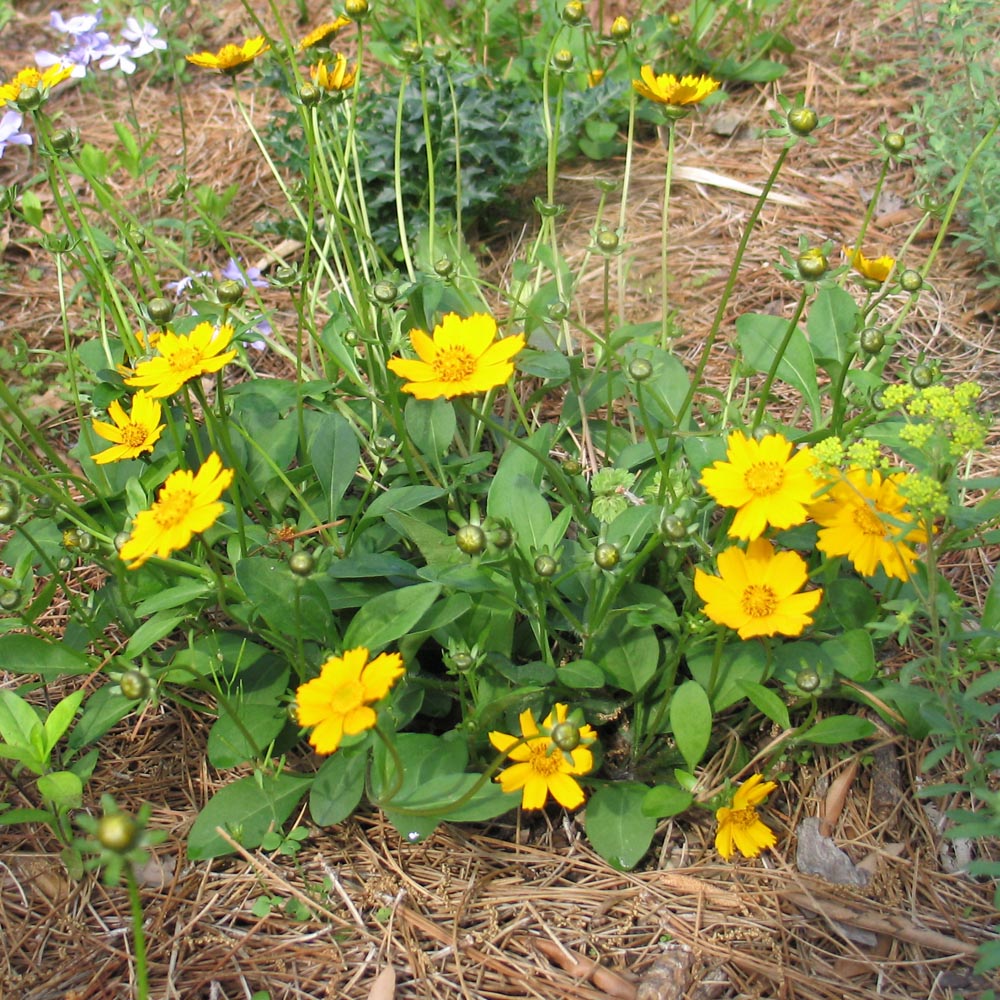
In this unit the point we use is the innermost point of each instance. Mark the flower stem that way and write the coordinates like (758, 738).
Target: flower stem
(778, 355)
(665, 238)
(138, 935)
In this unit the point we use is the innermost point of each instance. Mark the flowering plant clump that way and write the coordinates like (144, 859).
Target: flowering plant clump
(421, 534)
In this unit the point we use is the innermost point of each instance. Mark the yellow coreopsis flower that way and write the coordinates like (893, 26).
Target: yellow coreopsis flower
(877, 269)
(231, 58)
(675, 91)
(764, 482)
(740, 828)
(187, 504)
(338, 77)
(865, 518)
(324, 32)
(182, 357)
(541, 768)
(338, 702)
(757, 591)
(131, 434)
(41, 79)
(461, 357)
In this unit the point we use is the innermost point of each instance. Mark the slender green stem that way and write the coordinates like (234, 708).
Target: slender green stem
(778, 355)
(397, 178)
(665, 239)
(138, 935)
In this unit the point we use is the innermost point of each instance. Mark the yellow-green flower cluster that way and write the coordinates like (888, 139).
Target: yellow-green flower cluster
(864, 454)
(925, 493)
(895, 396)
(829, 453)
(950, 414)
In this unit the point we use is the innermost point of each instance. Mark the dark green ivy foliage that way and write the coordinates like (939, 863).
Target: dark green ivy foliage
(498, 139)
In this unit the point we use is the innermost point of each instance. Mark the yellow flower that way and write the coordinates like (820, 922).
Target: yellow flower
(186, 505)
(541, 767)
(325, 32)
(338, 702)
(231, 58)
(874, 270)
(740, 828)
(669, 89)
(756, 592)
(765, 485)
(594, 77)
(183, 357)
(460, 358)
(865, 518)
(130, 434)
(339, 77)
(43, 80)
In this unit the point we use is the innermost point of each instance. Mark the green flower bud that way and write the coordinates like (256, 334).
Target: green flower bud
(301, 563)
(621, 29)
(607, 241)
(607, 556)
(921, 376)
(471, 539)
(229, 292)
(565, 735)
(674, 528)
(161, 311)
(812, 264)
(10, 600)
(563, 60)
(382, 446)
(807, 679)
(802, 120)
(546, 209)
(117, 832)
(442, 54)
(134, 685)
(285, 275)
(44, 506)
(462, 660)
(872, 340)
(8, 512)
(546, 566)
(136, 236)
(411, 51)
(65, 563)
(640, 369)
(572, 467)
(29, 99)
(175, 190)
(310, 94)
(444, 267)
(910, 280)
(357, 10)
(351, 338)
(894, 143)
(558, 311)
(120, 539)
(502, 538)
(85, 540)
(109, 255)
(65, 140)
(573, 13)
(385, 292)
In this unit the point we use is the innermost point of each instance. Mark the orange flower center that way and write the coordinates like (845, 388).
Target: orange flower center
(868, 522)
(743, 818)
(454, 364)
(759, 600)
(346, 697)
(184, 359)
(542, 762)
(170, 510)
(134, 435)
(764, 478)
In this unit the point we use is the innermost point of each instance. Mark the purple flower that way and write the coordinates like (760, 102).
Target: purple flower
(10, 131)
(142, 36)
(235, 271)
(82, 24)
(185, 284)
(119, 55)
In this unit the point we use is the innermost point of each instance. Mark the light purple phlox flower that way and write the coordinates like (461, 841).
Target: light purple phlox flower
(80, 24)
(120, 56)
(185, 284)
(235, 271)
(142, 36)
(10, 131)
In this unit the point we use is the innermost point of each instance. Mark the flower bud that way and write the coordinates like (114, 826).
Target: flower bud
(872, 340)
(565, 735)
(161, 311)
(471, 539)
(894, 142)
(301, 563)
(134, 685)
(120, 539)
(558, 311)
(57, 242)
(175, 190)
(285, 275)
(8, 512)
(911, 280)
(229, 292)
(382, 446)
(462, 660)
(607, 241)
(10, 600)
(802, 120)
(357, 10)
(546, 209)
(29, 99)
(502, 538)
(640, 369)
(607, 556)
(563, 60)
(351, 338)
(573, 13)
(674, 528)
(921, 376)
(109, 254)
(65, 140)
(44, 506)
(442, 54)
(117, 832)
(674, 20)
(546, 566)
(812, 264)
(572, 467)
(309, 94)
(385, 292)
(621, 29)
(136, 236)
(807, 679)
(444, 267)
(85, 540)
(411, 51)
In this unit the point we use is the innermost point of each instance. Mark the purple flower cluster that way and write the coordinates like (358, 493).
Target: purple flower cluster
(85, 44)
(10, 131)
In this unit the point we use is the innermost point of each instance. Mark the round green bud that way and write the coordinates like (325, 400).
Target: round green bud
(161, 311)
(382, 445)
(136, 236)
(802, 120)
(894, 142)
(29, 99)
(807, 679)
(572, 467)
(8, 512)
(44, 506)
(911, 280)
(921, 376)
(65, 563)
(85, 540)
(877, 400)
(563, 59)
(546, 209)
(385, 292)
(310, 94)
(57, 242)
(621, 29)
(120, 539)
(463, 660)
(471, 539)
(411, 51)
(607, 556)
(444, 267)
(502, 538)
(607, 241)
(640, 369)
(558, 311)
(301, 563)
(442, 54)
(674, 528)
(117, 832)
(574, 12)
(357, 10)
(229, 292)
(285, 275)
(134, 685)
(351, 338)
(674, 20)
(10, 599)
(812, 264)
(872, 340)
(109, 255)
(65, 140)
(565, 735)
(546, 566)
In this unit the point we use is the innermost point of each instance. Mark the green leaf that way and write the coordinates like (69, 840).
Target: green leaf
(431, 425)
(247, 810)
(271, 587)
(838, 729)
(27, 654)
(661, 801)
(63, 789)
(850, 601)
(338, 786)
(335, 453)
(152, 631)
(104, 708)
(401, 499)
(516, 500)
(581, 674)
(185, 592)
(386, 618)
(852, 655)
(19, 722)
(759, 337)
(739, 661)
(766, 701)
(691, 721)
(60, 719)
(832, 322)
(629, 657)
(616, 826)
(228, 745)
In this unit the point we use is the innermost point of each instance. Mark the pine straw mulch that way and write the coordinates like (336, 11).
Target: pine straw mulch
(528, 910)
